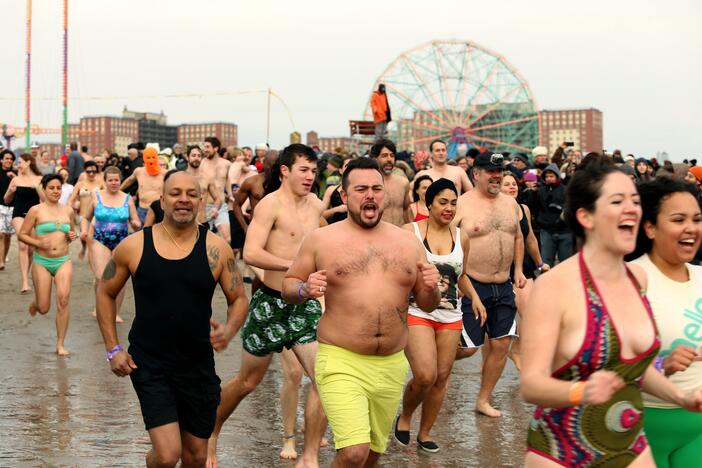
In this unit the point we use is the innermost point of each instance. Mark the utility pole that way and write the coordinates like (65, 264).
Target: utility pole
(268, 119)
(64, 128)
(28, 48)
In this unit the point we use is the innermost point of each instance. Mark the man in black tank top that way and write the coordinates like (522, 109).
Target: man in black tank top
(175, 266)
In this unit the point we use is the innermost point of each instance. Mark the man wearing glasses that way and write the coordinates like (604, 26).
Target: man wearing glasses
(491, 220)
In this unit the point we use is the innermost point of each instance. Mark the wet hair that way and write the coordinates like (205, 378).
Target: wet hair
(585, 187)
(90, 164)
(438, 140)
(48, 178)
(377, 148)
(7, 151)
(214, 141)
(436, 188)
(32, 162)
(112, 170)
(292, 153)
(360, 163)
(653, 194)
(193, 147)
(417, 183)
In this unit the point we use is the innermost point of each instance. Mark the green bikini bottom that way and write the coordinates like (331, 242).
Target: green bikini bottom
(52, 264)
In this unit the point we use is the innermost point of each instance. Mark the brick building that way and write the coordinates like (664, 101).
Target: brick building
(195, 134)
(100, 132)
(335, 144)
(55, 150)
(581, 126)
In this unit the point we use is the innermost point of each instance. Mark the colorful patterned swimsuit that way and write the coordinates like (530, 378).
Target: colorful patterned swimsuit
(607, 435)
(111, 223)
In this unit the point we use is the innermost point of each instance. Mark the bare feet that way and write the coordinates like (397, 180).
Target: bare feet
(324, 442)
(211, 453)
(25, 290)
(288, 451)
(33, 309)
(2, 267)
(304, 463)
(119, 319)
(61, 351)
(81, 254)
(483, 407)
(93, 313)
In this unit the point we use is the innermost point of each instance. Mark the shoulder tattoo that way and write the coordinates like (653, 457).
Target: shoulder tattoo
(110, 270)
(236, 275)
(212, 256)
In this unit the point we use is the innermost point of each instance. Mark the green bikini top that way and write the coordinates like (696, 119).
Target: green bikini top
(46, 228)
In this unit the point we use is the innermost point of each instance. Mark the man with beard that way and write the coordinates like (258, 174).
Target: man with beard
(175, 266)
(396, 187)
(207, 183)
(216, 167)
(280, 223)
(361, 367)
(491, 220)
(441, 169)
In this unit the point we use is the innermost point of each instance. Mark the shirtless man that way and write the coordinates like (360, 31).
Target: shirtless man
(491, 220)
(396, 208)
(282, 219)
(440, 168)
(217, 168)
(361, 367)
(207, 184)
(150, 181)
(239, 170)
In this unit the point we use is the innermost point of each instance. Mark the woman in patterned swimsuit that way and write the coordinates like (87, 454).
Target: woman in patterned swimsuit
(588, 337)
(113, 211)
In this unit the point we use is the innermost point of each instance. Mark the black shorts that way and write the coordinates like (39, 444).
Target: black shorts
(238, 235)
(498, 300)
(187, 396)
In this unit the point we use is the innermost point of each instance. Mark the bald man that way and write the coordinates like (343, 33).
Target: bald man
(175, 266)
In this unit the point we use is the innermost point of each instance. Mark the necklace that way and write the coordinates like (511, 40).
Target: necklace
(197, 236)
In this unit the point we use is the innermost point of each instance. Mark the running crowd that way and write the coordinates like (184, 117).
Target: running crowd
(608, 339)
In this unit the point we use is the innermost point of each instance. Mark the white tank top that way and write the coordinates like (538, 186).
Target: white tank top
(450, 267)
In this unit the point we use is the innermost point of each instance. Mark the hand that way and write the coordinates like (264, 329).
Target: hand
(214, 213)
(692, 401)
(519, 279)
(10, 175)
(679, 360)
(136, 224)
(545, 267)
(316, 284)
(479, 310)
(429, 274)
(219, 336)
(341, 209)
(600, 387)
(73, 236)
(122, 364)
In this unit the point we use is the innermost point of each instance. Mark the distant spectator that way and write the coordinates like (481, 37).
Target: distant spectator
(381, 112)
(519, 164)
(75, 164)
(630, 160)
(540, 158)
(643, 170)
(85, 154)
(45, 164)
(179, 162)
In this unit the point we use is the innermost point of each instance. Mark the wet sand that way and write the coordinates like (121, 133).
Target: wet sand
(74, 412)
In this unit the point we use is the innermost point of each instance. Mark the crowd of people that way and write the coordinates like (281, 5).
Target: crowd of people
(607, 339)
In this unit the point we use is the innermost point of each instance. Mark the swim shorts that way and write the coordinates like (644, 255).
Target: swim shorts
(360, 394)
(188, 396)
(222, 214)
(498, 300)
(273, 324)
(6, 220)
(141, 213)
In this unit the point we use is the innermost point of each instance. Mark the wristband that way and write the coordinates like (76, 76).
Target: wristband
(575, 393)
(111, 353)
(658, 364)
(540, 266)
(299, 290)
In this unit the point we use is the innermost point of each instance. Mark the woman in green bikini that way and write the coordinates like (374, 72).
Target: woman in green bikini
(52, 223)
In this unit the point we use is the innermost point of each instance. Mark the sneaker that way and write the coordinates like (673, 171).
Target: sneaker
(428, 445)
(401, 437)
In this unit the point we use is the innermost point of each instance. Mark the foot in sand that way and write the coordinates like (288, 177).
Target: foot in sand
(486, 409)
(33, 309)
(288, 451)
(119, 319)
(211, 453)
(61, 351)
(25, 290)
(322, 443)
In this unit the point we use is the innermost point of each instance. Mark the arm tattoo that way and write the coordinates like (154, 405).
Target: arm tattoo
(212, 256)
(236, 275)
(110, 270)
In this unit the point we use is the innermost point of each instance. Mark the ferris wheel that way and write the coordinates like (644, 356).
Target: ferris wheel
(460, 92)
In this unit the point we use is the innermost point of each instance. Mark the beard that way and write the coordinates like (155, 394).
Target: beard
(356, 217)
(194, 164)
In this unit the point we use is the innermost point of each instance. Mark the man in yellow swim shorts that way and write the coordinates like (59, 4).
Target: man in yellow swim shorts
(360, 367)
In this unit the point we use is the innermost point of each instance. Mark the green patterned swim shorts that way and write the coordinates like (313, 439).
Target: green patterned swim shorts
(273, 324)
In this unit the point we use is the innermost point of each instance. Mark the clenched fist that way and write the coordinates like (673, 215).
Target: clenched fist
(429, 275)
(600, 387)
(316, 285)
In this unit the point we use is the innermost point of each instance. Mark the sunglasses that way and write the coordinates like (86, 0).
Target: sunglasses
(91, 172)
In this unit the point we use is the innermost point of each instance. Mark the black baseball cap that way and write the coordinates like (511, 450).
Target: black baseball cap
(489, 160)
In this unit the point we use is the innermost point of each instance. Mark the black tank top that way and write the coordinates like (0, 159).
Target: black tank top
(173, 302)
(25, 198)
(524, 223)
(333, 203)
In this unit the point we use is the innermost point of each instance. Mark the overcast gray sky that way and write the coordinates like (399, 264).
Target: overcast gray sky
(640, 62)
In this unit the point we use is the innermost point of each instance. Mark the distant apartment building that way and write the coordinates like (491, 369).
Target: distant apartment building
(335, 144)
(195, 134)
(581, 126)
(153, 128)
(100, 132)
(55, 150)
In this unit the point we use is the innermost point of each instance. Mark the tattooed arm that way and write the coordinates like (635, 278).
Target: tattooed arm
(223, 266)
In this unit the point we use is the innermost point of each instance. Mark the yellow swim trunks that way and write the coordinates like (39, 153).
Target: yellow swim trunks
(360, 394)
